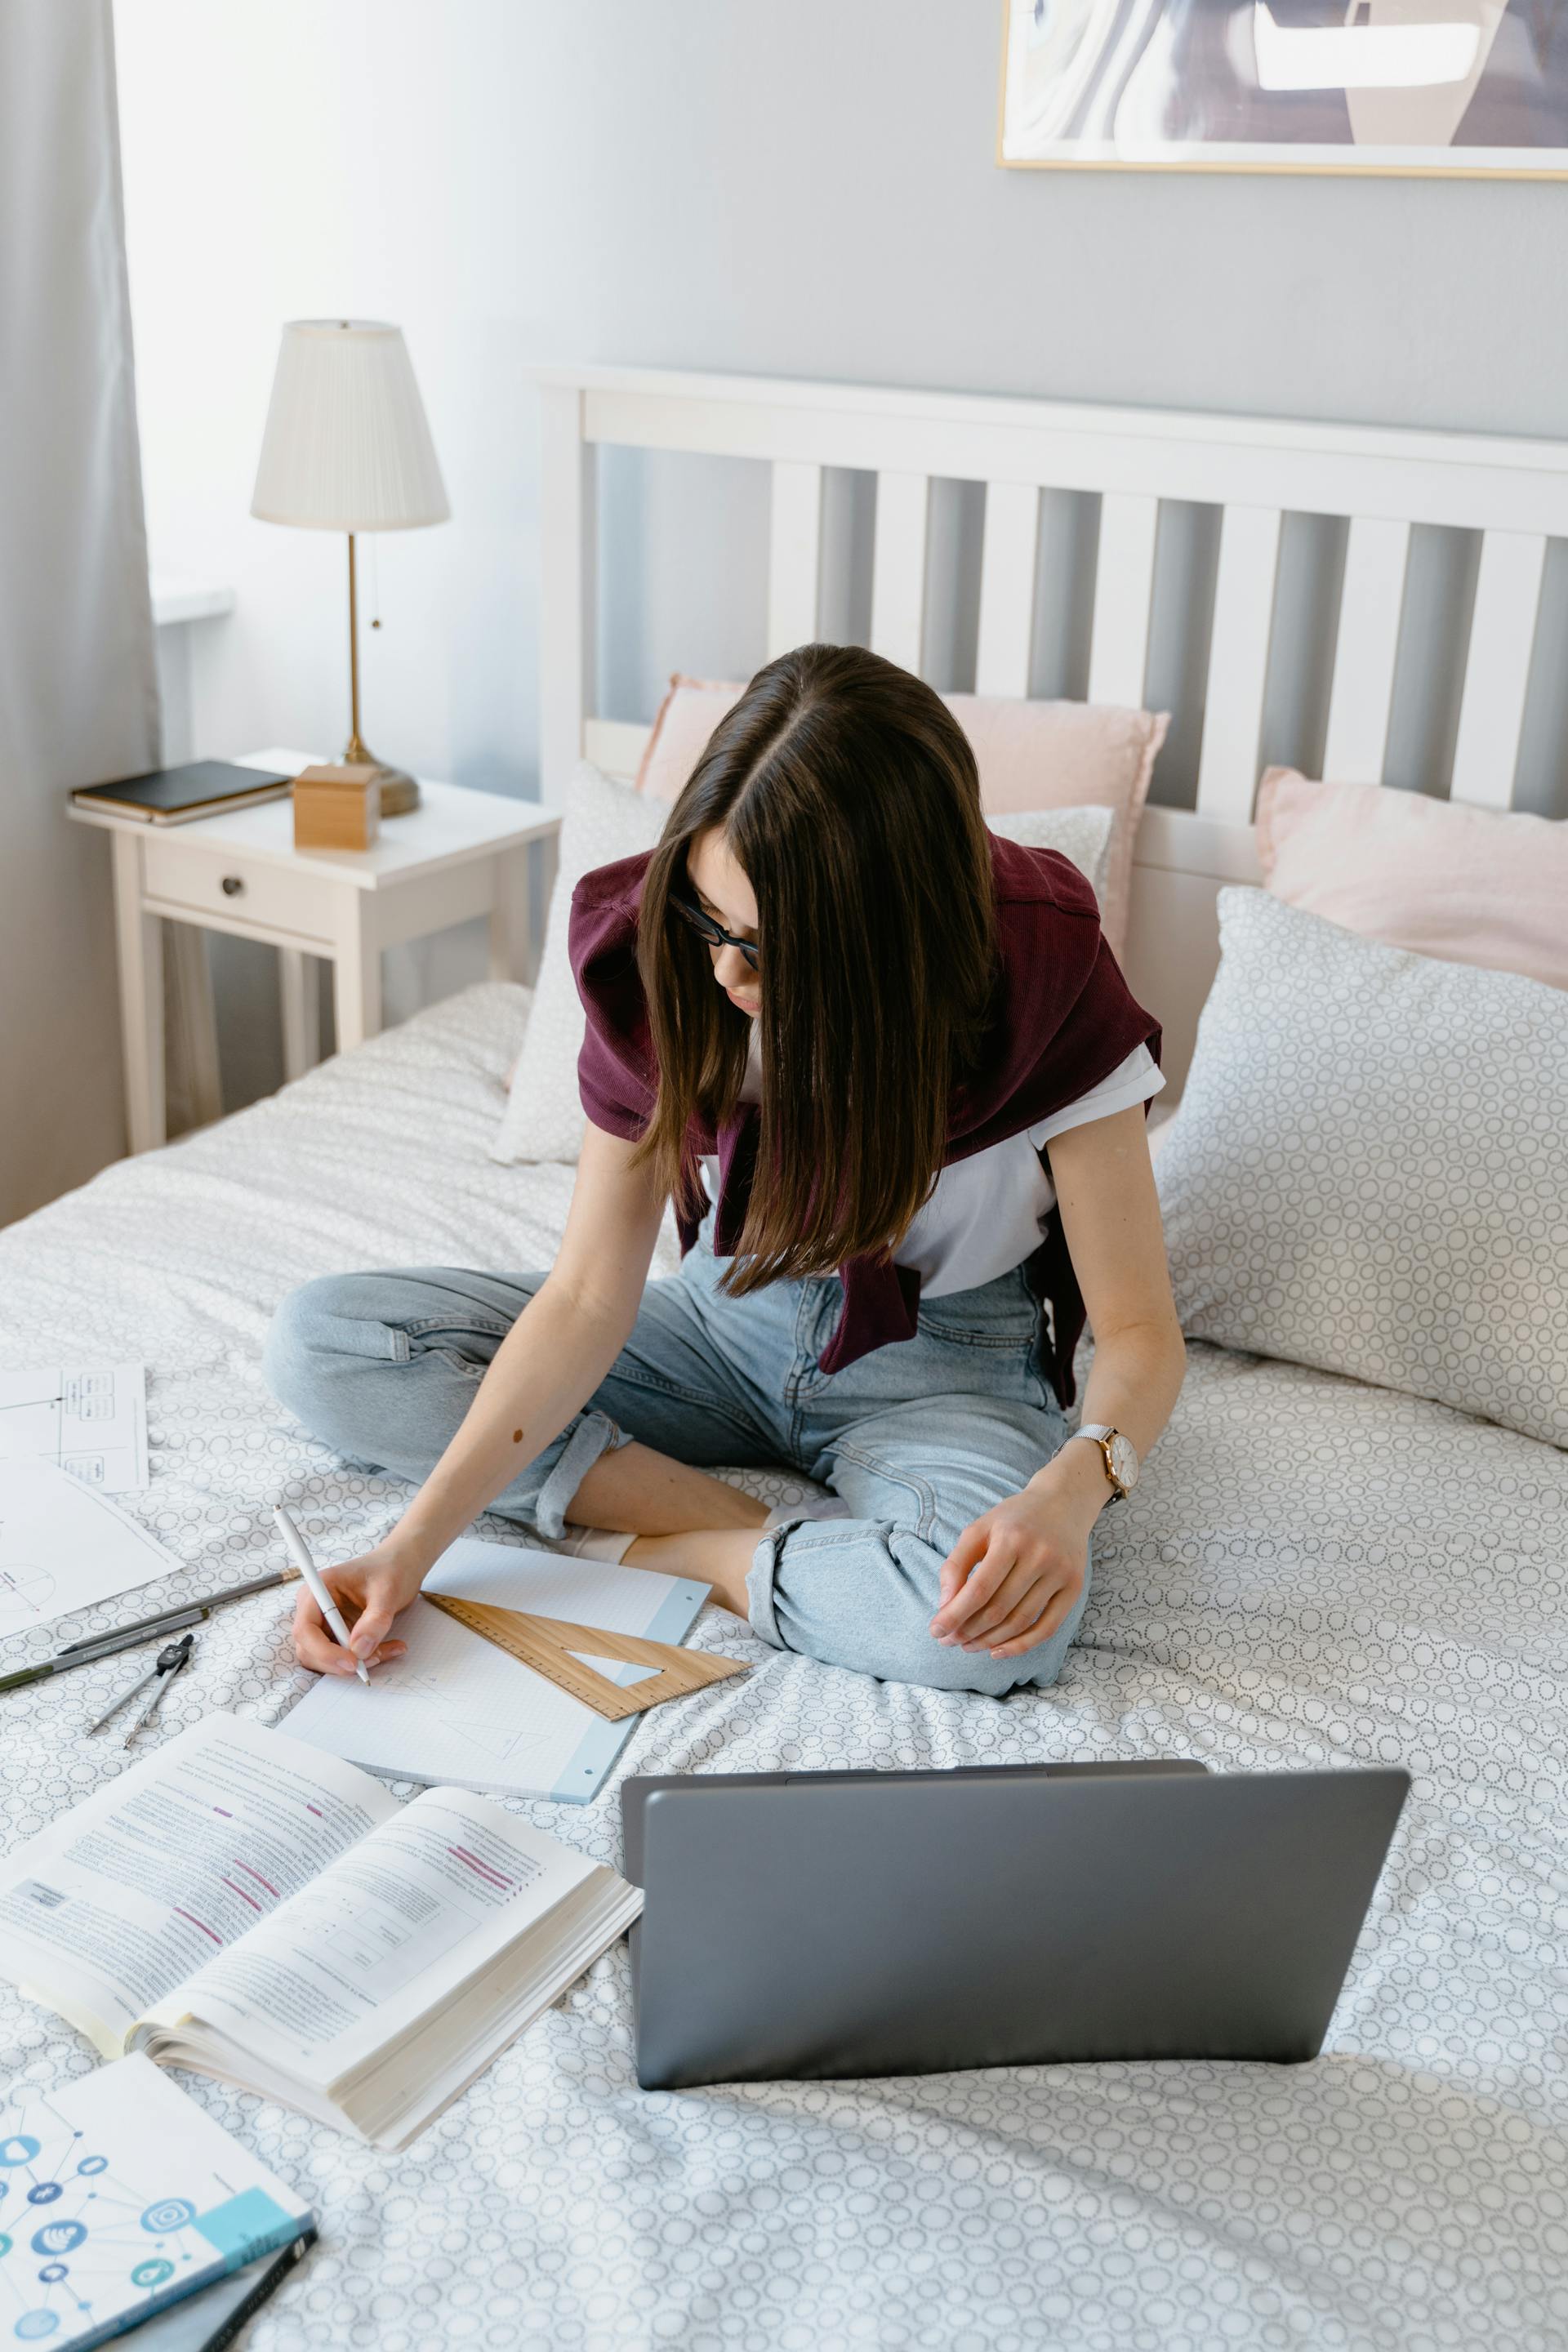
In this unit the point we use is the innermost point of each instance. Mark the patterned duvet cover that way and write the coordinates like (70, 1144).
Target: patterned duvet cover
(1312, 1572)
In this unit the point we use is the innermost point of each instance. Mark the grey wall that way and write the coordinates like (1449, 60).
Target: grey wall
(807, 189)
(811, 189)
(820, 199)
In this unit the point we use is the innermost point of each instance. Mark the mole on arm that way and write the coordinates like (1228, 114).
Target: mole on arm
(517, 1437)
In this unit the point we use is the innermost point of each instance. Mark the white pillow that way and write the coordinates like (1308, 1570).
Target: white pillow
(1368, 1172)
(605, 820)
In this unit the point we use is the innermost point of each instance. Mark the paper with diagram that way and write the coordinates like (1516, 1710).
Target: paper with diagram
(458, 1712)
(63, 1548)
(88, 1420)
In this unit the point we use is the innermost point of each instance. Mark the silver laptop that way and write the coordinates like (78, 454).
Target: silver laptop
(824, 1924)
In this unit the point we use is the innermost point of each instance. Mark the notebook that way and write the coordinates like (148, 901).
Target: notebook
(177, 795)
(253, 1909)
(457, 1710)
(122, 2198)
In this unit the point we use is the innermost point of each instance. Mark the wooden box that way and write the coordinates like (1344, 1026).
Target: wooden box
(336, 808)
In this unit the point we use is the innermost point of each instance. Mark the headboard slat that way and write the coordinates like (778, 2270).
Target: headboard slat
(1496, 669)
(794, 555)
(898, 567)
(1239, 661)
(1368, 643)
(1123, 596)
(1007, 561)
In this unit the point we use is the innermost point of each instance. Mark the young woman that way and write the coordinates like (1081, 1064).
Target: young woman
(890, 1075)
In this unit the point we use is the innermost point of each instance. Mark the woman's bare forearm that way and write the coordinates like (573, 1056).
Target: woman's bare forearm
(549, 1363)
(545, 1370)
(1110, 1211)
(1132, 1385)
(554, 1356)
(1135, 1379)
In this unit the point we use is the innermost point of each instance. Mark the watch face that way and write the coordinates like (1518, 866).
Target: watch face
(1124, 1462)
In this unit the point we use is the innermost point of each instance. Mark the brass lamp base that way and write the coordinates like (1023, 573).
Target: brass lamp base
(399, 790)
(399, 793)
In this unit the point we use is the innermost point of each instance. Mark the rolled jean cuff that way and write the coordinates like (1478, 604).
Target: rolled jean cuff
(591, 1435)
(760, 1589)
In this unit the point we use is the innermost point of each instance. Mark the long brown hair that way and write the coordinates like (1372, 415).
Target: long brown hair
(847, 793)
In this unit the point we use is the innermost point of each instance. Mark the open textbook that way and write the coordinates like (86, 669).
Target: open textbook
(257, 1910)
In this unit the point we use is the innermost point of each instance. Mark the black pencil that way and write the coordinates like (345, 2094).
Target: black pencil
(144, 1629)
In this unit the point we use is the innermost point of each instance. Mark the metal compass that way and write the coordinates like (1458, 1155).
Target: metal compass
(171, 1661)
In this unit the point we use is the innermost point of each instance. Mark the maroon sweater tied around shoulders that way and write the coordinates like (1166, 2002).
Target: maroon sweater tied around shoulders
(1064, 1020)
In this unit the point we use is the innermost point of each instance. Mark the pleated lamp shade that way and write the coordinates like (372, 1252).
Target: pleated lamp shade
(346, 446)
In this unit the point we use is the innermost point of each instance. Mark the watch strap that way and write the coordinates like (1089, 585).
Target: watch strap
(1099, 1434)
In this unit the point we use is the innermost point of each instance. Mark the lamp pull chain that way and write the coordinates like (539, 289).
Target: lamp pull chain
(374, 588)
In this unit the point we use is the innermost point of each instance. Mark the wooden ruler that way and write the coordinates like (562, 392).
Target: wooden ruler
(547, 1644)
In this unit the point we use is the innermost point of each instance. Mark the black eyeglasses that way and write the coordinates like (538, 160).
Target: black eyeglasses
(714, 933)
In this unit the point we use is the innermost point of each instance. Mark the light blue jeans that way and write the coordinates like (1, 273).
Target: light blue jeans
(917, 1439)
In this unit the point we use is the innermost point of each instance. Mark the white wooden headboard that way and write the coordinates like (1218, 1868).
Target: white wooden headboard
(1255, 472)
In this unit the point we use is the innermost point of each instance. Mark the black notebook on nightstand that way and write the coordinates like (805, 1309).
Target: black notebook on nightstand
(177, 795)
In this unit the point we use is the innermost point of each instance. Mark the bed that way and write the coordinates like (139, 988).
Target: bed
(1389, 1584)
(1311, 1571)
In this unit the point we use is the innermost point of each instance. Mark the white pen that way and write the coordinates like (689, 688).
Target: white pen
(294, 1544)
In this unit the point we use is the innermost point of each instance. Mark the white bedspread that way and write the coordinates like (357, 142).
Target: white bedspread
(1311, 1573)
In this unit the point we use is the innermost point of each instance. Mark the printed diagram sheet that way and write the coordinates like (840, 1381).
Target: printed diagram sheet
(63, 1548)
(89, 1420)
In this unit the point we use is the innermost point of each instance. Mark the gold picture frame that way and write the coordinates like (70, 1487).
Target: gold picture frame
(1068, 101)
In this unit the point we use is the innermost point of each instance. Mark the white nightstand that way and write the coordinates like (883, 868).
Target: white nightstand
(460, 854)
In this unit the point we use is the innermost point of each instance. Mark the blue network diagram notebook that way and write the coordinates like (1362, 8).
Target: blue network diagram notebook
(459, 1713)
(119, 2197)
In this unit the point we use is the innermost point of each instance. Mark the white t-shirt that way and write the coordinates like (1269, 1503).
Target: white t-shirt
(987, 1213)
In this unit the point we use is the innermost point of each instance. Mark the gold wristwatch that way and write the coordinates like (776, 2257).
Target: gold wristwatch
(1118, 1454)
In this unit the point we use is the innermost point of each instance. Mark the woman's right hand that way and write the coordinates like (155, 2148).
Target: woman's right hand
(370, 1590)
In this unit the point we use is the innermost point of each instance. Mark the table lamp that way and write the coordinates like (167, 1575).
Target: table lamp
(347, 448)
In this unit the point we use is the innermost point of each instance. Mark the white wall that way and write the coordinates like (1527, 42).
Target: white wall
(806, 188)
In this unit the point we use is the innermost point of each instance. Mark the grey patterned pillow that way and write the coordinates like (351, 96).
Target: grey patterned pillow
(1368, 1172)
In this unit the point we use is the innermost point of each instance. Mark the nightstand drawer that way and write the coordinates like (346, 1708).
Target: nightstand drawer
(241, 890)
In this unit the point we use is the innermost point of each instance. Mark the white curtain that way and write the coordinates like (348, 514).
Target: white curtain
(78, 693)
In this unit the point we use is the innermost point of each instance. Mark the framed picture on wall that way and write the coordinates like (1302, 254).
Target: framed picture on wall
(1417, 87)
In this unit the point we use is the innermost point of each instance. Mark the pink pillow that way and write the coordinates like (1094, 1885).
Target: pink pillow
(1465, 884)
(1031, 755)
(690, 712)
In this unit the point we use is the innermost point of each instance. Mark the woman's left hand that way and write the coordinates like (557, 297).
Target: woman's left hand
(1014, 1575)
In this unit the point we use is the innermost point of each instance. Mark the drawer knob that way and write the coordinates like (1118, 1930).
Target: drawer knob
(233, 884)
